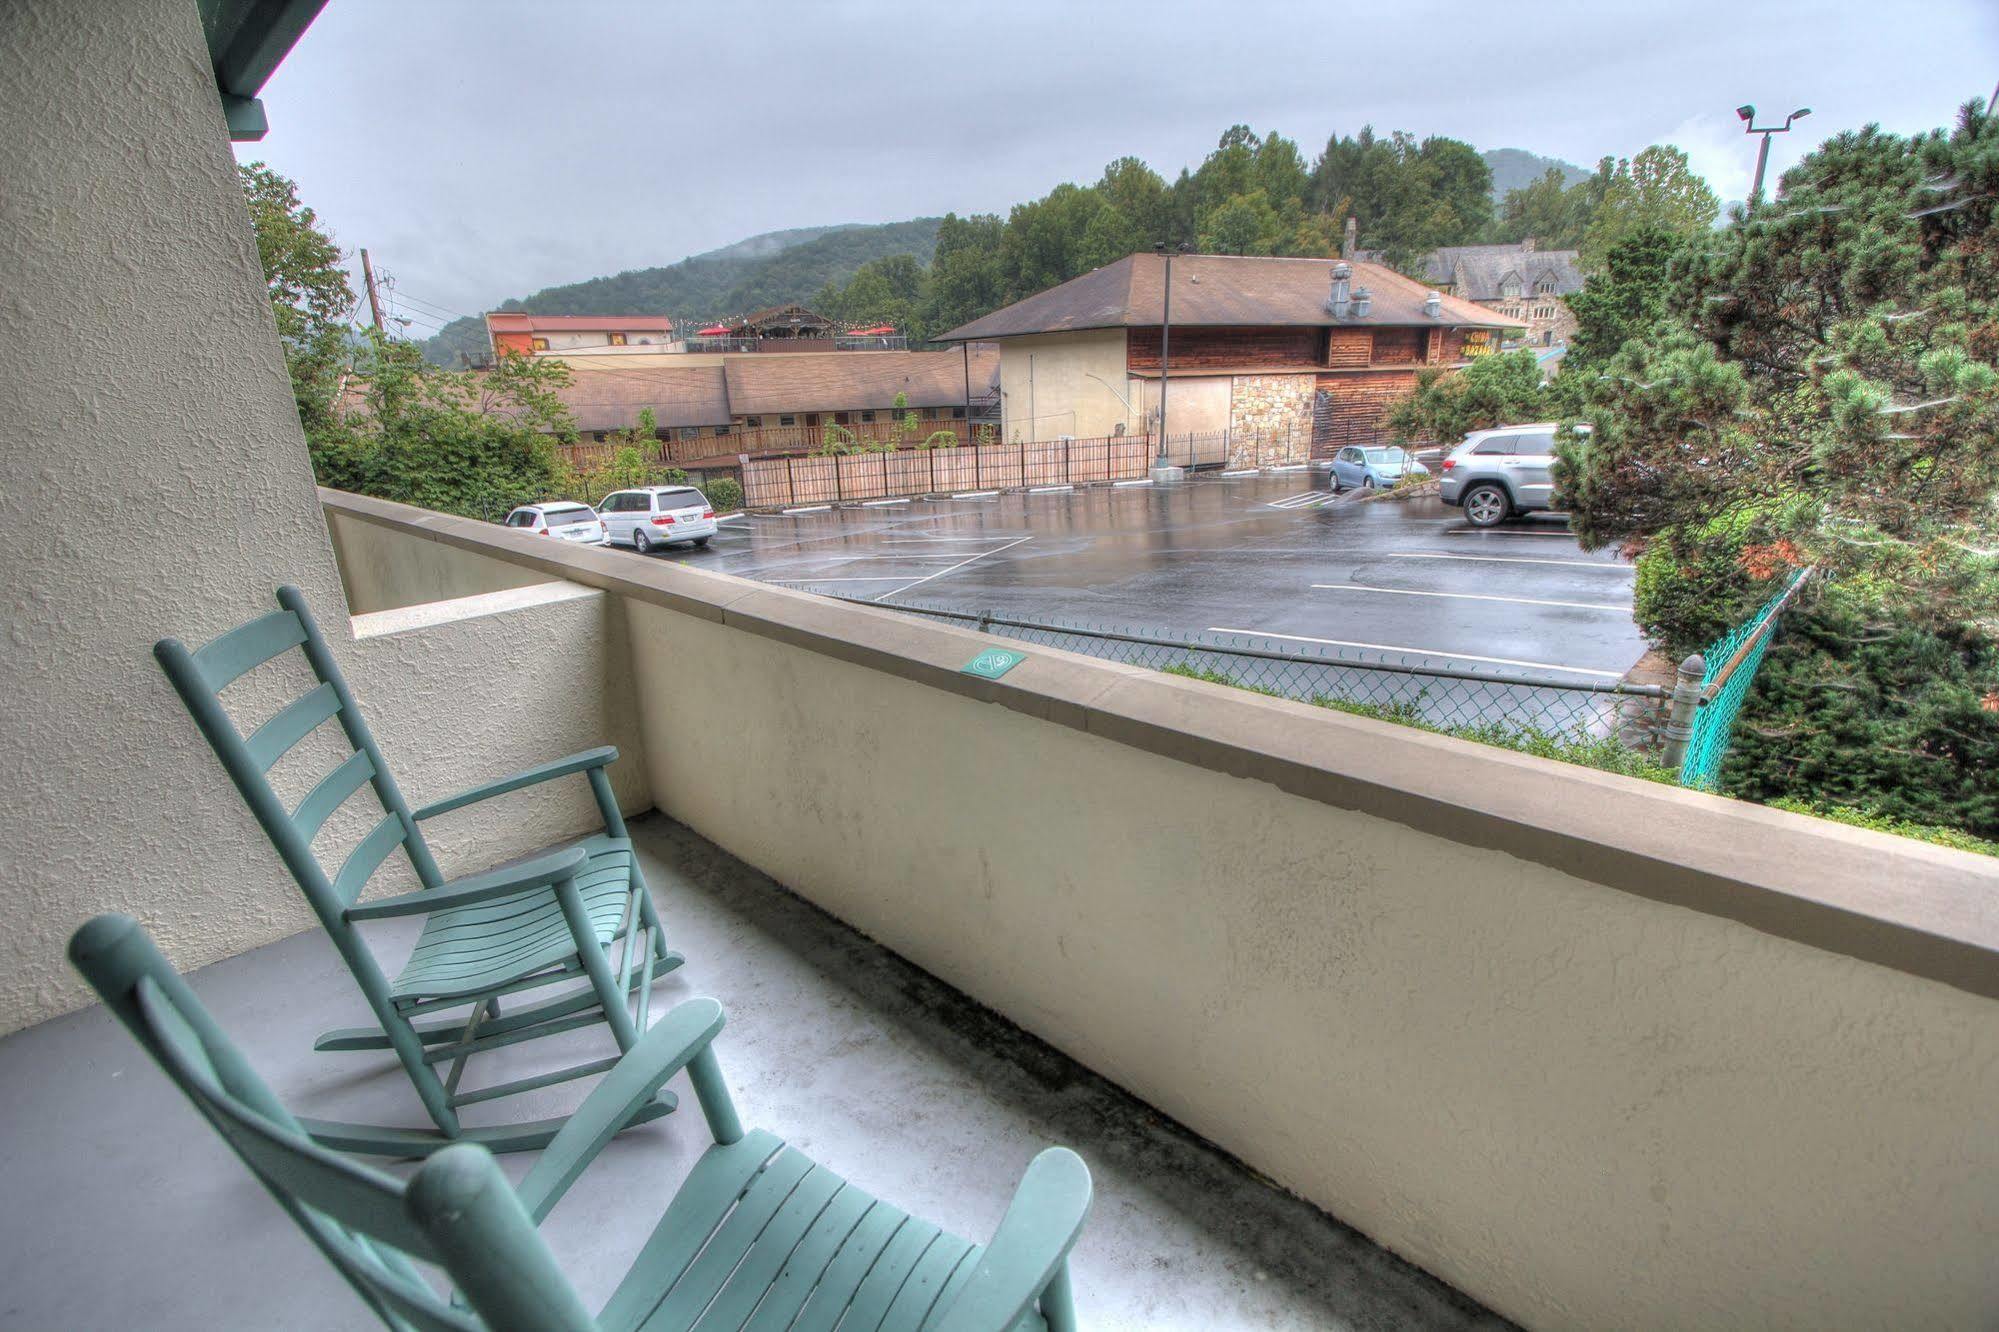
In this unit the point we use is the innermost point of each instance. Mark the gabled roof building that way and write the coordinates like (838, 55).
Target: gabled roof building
(1303, 347)
(1519, 281)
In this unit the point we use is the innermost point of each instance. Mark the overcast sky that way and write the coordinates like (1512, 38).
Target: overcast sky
(484, 150)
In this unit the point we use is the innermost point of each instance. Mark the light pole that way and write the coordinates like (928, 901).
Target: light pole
(1749, 126)
(1162, 470)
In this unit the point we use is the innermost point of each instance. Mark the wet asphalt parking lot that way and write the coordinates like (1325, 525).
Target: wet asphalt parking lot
(1217, 557)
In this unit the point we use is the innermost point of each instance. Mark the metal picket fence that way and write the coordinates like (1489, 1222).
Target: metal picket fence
(1497, 708)
(1727, 669)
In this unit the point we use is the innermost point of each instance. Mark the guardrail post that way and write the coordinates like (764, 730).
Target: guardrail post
(1686, 701)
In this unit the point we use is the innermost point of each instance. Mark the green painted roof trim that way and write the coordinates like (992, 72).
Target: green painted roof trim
(247, 40)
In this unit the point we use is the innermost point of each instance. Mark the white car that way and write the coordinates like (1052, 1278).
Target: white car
(568, 522)
(657, 516)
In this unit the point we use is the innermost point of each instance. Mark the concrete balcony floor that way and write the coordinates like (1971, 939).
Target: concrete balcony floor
(125, 1210)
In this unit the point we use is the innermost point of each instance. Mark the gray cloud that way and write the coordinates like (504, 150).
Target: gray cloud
(482, 150)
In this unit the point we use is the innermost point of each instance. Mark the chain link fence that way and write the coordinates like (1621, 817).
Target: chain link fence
(1728, 668)
(1500, 709)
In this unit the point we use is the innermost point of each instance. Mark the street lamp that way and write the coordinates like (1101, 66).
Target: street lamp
(1160, 466)
(1749, 126)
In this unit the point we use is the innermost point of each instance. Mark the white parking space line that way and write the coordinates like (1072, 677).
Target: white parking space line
(959, 565)
(1304, 500)
(1506, 559)
(1472, 531)
(871, 578)
(1468, 596)
(1421, 652)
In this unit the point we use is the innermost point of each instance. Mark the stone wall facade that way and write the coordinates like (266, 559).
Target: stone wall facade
(1270, 419)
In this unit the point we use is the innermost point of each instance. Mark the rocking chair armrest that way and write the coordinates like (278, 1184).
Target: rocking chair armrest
(555, 867)
(1030, 1248)
(600, 757)
(674, 1041)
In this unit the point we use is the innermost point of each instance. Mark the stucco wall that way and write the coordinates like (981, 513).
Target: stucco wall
(1586, 1108)
(1196, 404)
(385, 569)
(1047, 390)
(121, 225)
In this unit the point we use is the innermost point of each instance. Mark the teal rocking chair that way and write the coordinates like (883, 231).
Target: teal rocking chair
(758, 1236)
(544, 921)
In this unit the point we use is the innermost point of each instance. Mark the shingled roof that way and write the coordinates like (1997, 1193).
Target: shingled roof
(846, 381)
(1477, 272)
(1220, 290)
(611, 397)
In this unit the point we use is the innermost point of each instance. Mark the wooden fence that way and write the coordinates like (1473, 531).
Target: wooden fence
(776, 483)
(769, 440)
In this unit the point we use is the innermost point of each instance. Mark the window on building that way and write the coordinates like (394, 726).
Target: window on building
(617, 339)
(957, 413)
(539, 344)
(787, 420)
(867, 416)
(1510, 289)
(721, 431)
(690, 432)
(753, 423)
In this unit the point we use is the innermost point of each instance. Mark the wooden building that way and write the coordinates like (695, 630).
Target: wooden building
(1305, 347)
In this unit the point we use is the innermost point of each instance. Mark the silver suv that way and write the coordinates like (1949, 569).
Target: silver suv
(1496, 474)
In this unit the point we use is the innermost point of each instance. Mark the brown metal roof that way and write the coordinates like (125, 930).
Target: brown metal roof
(611, 397)
(1219, 290)
(848, 381)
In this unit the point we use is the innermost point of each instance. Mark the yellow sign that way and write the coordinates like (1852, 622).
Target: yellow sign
(1478, 342)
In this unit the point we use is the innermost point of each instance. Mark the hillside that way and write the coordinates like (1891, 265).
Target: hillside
(767, 269)
(1515, 168)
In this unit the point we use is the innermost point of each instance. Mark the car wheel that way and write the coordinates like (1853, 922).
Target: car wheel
(1486, 506)
(701, 542)
(1367, 483)
(641, 542)
(1337, 487)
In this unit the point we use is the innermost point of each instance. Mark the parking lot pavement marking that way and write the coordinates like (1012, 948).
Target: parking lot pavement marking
(1477, 532)
(959, 565)
(1303, 500)
(1508, 559)
(1422, 652)
(1468, 596)
(810, 508)
(975, 494)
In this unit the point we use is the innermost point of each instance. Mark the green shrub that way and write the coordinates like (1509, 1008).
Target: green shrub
(725, 493)
(1860, 818)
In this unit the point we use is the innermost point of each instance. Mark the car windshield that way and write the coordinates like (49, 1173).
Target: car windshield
(1386, 455)
(565, 517)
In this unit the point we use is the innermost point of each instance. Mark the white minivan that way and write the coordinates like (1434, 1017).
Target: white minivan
(656, 516)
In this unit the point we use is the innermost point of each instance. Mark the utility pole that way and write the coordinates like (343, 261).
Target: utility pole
(1747, 114)
(374, 300)
(1162, 470)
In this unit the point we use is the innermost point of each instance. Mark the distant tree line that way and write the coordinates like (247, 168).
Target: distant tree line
(1258, 195)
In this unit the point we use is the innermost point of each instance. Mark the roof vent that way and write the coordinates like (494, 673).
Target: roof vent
(1433, 305)
(1362, 298)
(1339, 302)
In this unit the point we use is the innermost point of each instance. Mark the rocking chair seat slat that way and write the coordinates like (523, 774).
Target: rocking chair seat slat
(761, 1237)
(472, 950)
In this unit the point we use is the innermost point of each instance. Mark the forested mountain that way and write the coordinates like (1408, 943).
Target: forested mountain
(1516, 169)
(769, 269)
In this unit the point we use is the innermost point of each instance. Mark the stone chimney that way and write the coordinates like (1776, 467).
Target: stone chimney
(1433, 305)
(1340, 301)
(1352, 239)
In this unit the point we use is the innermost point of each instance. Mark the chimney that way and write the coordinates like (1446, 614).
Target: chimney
(1352, 238)
(1362, 298)
(1433, 305)
(1528, 245)
(1342, 274)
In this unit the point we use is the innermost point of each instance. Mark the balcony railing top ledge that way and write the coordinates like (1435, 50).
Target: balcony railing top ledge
(1926, 910)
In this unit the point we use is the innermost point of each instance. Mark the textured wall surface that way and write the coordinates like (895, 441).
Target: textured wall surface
(1267, 408)
(386, 570)
(1585, 1108)
(1049, 377)
(141, 384)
